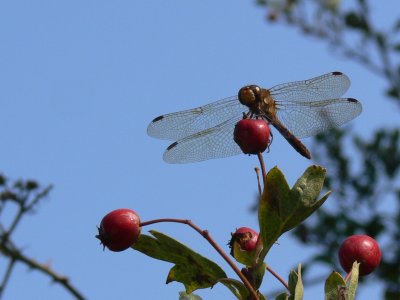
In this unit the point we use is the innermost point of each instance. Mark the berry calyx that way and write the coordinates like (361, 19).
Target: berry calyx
(363, 249)
(119, 229)
(252, 135)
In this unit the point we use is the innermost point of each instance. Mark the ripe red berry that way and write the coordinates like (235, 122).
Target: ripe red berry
(252, 135)
(363, 249)
(246, 238)
(119, 229)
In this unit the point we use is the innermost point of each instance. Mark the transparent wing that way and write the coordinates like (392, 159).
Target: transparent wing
(329, 86)
(178, 125)
(305, 119)
(215, 142)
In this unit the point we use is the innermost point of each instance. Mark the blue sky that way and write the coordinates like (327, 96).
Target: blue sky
(81, 80)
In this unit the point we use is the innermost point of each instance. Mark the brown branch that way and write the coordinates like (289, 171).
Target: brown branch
(16, 255)
(276, 275)
(7, 276)
(22, 210)
(258, 180)
(262, 165)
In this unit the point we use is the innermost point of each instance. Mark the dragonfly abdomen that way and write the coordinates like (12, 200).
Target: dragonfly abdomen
(295, 142)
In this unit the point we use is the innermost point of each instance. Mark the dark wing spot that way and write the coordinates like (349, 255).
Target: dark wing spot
(337, 73)
(157, 119)
(172, 146)
(352, 100)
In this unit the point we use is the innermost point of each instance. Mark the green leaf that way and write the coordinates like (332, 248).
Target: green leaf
(261, 296)
(296, 285)
(236, 287)
(304, 196)
(283, 296)
(276, 190)
(299, 291)
(191, 269)
(334, 285)
(353, 282)
(281, 208)
(184, 296)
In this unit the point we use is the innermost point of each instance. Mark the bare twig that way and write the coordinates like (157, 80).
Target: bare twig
(7, 275)
(16, 255)
(262, 165)
(258, 180)
(21, 194)
(276, 275)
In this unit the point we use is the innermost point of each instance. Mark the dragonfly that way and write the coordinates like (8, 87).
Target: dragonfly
(296, 110)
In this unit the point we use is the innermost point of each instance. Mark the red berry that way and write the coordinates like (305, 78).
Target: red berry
(363, 249)
(119, 229)
(252, 135)
(246, 237)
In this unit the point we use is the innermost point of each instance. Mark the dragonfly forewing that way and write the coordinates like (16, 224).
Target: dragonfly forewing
(181, 124)
(328, 86)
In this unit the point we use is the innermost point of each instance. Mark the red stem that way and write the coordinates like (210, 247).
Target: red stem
(264, 173)
(207, 236)
(347, 276)
(276, 275)
(258, 180)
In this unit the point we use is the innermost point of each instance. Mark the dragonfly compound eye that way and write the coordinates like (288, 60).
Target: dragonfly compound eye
(248, 95)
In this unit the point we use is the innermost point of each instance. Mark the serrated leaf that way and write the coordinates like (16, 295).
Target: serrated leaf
(191, 269)
(281, 208)
(184, 296)
(236, 287)
(353, 282)
(304, 196)
(333, 285)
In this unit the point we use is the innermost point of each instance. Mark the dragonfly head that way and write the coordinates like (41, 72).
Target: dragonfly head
(250, 96)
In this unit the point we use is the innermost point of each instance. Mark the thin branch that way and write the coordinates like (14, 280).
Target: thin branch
(6, 276)
(22, 210)
(38, 197)
(16, 255)
(258, 180)
(276, 275)
(262, 165)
